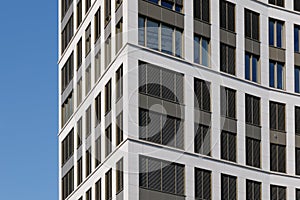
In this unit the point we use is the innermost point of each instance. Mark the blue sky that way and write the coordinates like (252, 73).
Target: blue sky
(28, 103)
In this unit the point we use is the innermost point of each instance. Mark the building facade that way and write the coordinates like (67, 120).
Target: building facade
(179, 99)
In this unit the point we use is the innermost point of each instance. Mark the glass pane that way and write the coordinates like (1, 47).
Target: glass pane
(196, 49)
(271, 74)
(271, 33)
(154, 1)
(167, 39)
(279, 35)
(247, 66)
(178, 43)
(254, 69)
(204, 52)
(141, 31)
(296, 39)
(167, 4)
(279, 76)
(152, 34)
(296, 80)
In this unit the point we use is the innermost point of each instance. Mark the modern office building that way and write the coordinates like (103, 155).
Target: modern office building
(179, 99)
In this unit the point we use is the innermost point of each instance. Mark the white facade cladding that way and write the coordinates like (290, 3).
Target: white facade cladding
(138, 78)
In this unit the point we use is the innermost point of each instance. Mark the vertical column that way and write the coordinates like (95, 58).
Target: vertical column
(130, 21)
(265, 134)
(216, 126)
(189, 113)
(241, 136)
(215, 35)
(188, 30)
(264, 55)
(190, 182)
(240, 41)
(290, 139)
(289, 52)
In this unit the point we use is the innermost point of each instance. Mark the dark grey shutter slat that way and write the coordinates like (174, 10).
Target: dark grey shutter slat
(223, 58)
(248, 109)
(198, 92)
(231, 103)
(247, 23)
(142, 78)
(223, 14)
(224, 187)
(179, 179)
(179, 134)
(179, 88)
(206, 95)
(168, 178)
(206, 140)
(273, 157)
(256, 111)
(224, 145)
(154, 128)
(256, 153)
(273, 115)
(297, 116)
(232, 147)
(198, 183)
(197, 9)
(257, 190)
(142, 124)
(281, 117)
(153, 80)
(154, 174)
(232, 190)
(206, 184)
(249, 152)
(231, 16)
(168, 83)
(281, 158)
(255, 26)
(298, 161)
(198, 138)
(223, 101)
(168, 131)
(205, 10)
(231, 60)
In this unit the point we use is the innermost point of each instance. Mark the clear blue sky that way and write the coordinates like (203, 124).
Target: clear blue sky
(28, 103)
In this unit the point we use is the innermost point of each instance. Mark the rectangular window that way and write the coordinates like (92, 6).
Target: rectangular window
(98, 190)
(97, 25)
(88, 40)
(228, 187)
(67, 147)
(277, 2)
(119, 129)
(108, 185)
(227, 15)
(201, 10)
(297, 120)
(278, 158)
(201, 50)
(161, 129)
(202, 94)
(88, 4)
(119, 176)
(252, 152)
(107, 11)
(277, 116)
(297, 194)
(79, 13)
(152, 33)
(108, 97)
(67, 73)
(79, 53)
(119, 82)
(119, 35)
(297, 8)
(79, 171)
(67, 109)
(202, 184)
(228, 146)
(296, 37)
(67, 34)
(297, 79)
(253, 190)
(97, 66)
(79, 133)
(98, 151)
(297, 161)
(159, 82)
(276, 33)
(98, 109)
(252, 69)
(161, 176)
(227, 59)
(108, 141)
(68, 183)
(228, 105)
(278, 192)
(65, 5)
(88, 122)
(107, 46)
(88, 162)
(88, 194)
(277, 75)
(202, 139)
(251, 24)
(88, 81)
(252, 110)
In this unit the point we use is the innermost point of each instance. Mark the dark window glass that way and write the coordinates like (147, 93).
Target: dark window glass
(201, 10)
(298, 161)
(253, 152)
(253, 190)
(278, 192)
(278, 158)
(297, 120)
(228, 105)
(228, 187)
(228, 146)
(202, 139)
(297, 8)
(227, 59)
(297, 79)
(202, 94)
(202, 184)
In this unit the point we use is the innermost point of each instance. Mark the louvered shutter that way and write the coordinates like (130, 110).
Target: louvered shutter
(231, 103)
(281, 158)
(198, 92)
(224, 146)
(154, 128)
(298, 161)
(223, 58)
(198, 138)
(273, 157)
(255, 26)
(232, 188)
(249, 153)
(142, 124)
(168, 131)
(256, 153)
(179, 88)
(256, 111)
(153, 81)
(224, 187)
(168, 85)
(168, 177)
(179, 179)
(281, 193)
(231, 60)
(206, 140)
(249, 109)
(249, 190)
(205, 10)
(223, 101)
(197, 9)
(142, 78)
(206, 184)
(206, 95)
(248, 23)
(257, 191)
(281, 117)
(154, 174)
(198, 184)
(297, 121)
(273, 115)
(232, 147)
(179, 134)
(297, 194)
(231, 17)
(223, 14)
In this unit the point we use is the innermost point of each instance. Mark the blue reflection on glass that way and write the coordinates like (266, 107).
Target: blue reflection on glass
(297, 84)
(296, 39)
(247, 66)
(279, 35)
(271, 33)
(197, 49)
(254, 69)
(279, 76)
(204, 52)
(271, 74)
